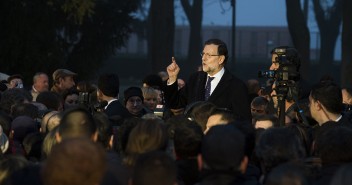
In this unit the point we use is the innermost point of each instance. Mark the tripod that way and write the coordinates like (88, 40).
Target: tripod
(284, 89)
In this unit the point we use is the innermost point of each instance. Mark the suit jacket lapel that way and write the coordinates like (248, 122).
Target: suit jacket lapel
(222, 86)
(201, 89)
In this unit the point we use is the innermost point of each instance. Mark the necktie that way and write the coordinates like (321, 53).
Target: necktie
(208, 87)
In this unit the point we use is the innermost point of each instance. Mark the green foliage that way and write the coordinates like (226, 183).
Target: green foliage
(42, 35)
(78, 9)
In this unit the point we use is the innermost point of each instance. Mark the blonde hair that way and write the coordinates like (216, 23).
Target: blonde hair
(149, 92)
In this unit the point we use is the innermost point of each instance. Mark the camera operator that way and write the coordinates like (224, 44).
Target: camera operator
(286, 89)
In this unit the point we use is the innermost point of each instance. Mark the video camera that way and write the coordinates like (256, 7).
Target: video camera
(85, 99)
(287, 71)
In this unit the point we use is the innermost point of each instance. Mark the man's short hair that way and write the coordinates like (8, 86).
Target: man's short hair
(156, 168)
(334, 146)
(187, 137)
(15, 76)
(329, 95)
(222, 48)
(223, 148)
(153, 80)
(199, 112)
(37, 75)
(226, 114)
(74, 162)
(109, 85)
(50, 99)
(77, 122)
(277, 146)
(105, 129)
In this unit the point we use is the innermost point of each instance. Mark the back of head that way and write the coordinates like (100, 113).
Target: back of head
(104, 127)
(54, 121)
(277, 146)
(222, 48)
(153, 80)
(22, 126)
(223, 148)
(199, 112)
(25, 109)
(11, 97)
(329, 95)
(334, 145)
(109, 85)
(260, 101)
(148, 135)
(156, 168)
(246, 128)
(75, 162)
(187, 137)
(50, 99)
(77, 122)
(287, 174)
(10, 164)
(226, 115)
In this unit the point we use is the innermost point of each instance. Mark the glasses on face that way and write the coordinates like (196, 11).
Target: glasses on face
(207, 55)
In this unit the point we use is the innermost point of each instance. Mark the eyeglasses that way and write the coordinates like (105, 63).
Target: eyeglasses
(207, 55)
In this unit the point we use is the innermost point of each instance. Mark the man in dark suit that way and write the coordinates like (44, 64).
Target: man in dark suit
(215, 83)
(108, 91)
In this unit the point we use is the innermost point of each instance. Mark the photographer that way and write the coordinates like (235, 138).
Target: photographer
(15, 81)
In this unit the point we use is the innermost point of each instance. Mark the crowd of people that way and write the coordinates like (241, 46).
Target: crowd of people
(213, 128)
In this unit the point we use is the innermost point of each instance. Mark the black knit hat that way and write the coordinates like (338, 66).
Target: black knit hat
(132, 91)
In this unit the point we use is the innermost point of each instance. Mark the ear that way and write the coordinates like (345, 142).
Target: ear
(221, 59)
(11, 134)
(243, 165)
(58, 137)
(111, 141)
(317, 105)
(95, 136)
(99, 93)
(200, 161)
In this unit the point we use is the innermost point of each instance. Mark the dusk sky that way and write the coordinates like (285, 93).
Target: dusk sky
(248, 12)
(251, 13)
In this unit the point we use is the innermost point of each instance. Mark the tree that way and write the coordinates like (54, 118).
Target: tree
(346, 66)
(77, 34)
(329, 19)
(297, 25)
(161, 30)
(194, 14)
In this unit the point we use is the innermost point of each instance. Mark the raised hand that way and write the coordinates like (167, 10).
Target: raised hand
(172, 71)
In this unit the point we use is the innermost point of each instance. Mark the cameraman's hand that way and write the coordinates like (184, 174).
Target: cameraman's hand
(172, 71)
